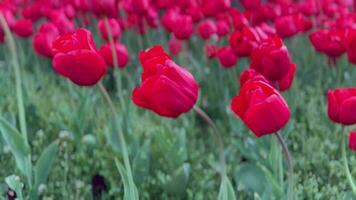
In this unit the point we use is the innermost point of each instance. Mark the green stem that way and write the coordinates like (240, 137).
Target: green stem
(123, 144)
(346, 165)
(289, 160)
(18, 82)
(218, 136)
(20, 104)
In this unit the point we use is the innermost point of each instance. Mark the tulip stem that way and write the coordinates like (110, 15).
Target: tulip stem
(346, 165)
(122, 140)
(289, 160)
(15, 64)
(113, 51)
(217, 135)
(20, 104)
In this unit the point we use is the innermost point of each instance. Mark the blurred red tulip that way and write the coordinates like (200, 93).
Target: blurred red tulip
(222, 28)
(207, 28)
(350, 43)
(210, 50)
(114, 29)
(122, 55)
(183, 27)
(251, 4)
(77, 59)
(42, 41)
(271, 59)
(286, 26)
(329, 42)
(23, 28)
(286, 82)
(166, 89)
(227, 57)
(352, 140)
(175, 46)
(243, 42)
(251, 75)
(342, 105)
(261, 107)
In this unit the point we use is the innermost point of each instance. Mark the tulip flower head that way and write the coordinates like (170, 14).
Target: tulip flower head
(271, 59)
(123, 56)
(352, 140)
(77, 59)
(261, 108)
(166, 89)
(342, 105)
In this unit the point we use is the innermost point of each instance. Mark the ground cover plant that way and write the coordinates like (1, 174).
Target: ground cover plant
(188, 99)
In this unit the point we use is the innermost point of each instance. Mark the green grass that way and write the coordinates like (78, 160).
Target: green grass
(177, 159)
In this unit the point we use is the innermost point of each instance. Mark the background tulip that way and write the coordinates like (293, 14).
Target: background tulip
(77, 59)
(342, 105)
(227, 57)
(352, 140)
(42, 41)
(123, 56)
(271, 59)
(168, 90)
(114, 28)
(261, 107)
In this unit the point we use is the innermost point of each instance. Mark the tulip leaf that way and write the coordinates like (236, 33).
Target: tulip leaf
(251, 177)
(130, 190)
(15, 184)
(226, 191)
(348, 196)
(44, 164)
(177, 183)
(17, 144)
(141, 163)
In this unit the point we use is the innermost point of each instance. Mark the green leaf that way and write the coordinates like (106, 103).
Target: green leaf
(141, 163)
(348, 196)
(226, 191)
(251, 177)
(177, 183)
(44, 164)
(17, 144)
(130, 190)
(15, 184)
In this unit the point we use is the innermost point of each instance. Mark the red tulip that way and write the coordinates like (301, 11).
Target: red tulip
(261, 107)
(271, 59)
(42, 41)
(251, 75)
(352, 140)
(342, 105)
(243, 42)
(210, 50)
(286, 26)
(105, 7)
(350, 43)
(227, 57)
(222, 28)
(23, 28)
(251, 4)
(166, 89)
(183, 27)
(114, 29)
(77, 59)
(207, 28)
(63, 24)
(286, 82)
(329, 42)
(169, 19)
(122, 55)
(175, 46)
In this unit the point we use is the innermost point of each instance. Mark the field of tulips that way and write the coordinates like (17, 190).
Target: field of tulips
(177, 99)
